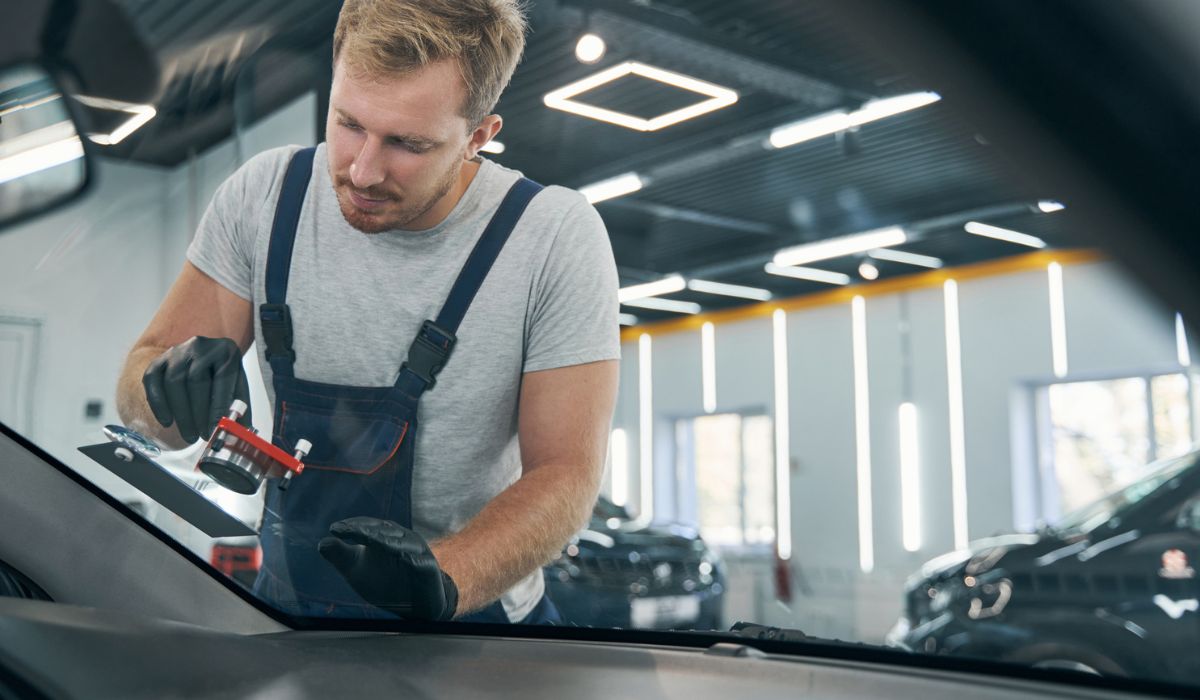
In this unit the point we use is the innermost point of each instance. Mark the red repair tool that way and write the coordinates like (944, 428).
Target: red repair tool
(238, 458)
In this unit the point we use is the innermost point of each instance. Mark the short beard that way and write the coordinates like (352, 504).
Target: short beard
(371, 224)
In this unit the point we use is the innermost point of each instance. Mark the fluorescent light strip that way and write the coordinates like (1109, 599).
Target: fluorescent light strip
(666, 285)
(1004, 234)
(842, 245)
(906, 258)
(1058, 320)
(645, 432)
(708, 367)
(1049, 206)
(862, 434)
(495, 147)
(811, 274)
(679, 307)
(40, 158)
(833, 122)
(1181, 342)
(619, 449)
(729, 290)
(958, 450)
(783, 488)
(612, 188)
(627, 319)
(140, 114)
(910, 478)
(719, 97)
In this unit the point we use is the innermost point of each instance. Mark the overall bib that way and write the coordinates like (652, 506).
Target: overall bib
(363, 438)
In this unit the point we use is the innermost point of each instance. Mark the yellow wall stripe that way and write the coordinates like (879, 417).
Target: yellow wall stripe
(843, 295)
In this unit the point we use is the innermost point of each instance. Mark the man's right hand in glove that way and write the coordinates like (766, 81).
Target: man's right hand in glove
(193, 384)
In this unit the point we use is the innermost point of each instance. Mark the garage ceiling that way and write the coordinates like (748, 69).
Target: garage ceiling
(718, 203)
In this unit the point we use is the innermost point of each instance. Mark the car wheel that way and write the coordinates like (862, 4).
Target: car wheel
(1068, 657)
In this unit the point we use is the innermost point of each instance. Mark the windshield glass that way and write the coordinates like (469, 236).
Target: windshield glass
(708, 315)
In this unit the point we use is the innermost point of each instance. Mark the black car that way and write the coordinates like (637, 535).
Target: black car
(618, 574)
(1111, 589)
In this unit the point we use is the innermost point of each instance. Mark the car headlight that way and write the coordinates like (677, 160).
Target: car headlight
(979, 599)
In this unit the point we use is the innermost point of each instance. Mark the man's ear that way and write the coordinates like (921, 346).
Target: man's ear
(486, 131)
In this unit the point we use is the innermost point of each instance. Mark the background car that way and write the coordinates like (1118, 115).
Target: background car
(1110, 589)
(615, 574)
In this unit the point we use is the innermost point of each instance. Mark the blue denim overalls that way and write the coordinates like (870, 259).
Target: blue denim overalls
(363, 438)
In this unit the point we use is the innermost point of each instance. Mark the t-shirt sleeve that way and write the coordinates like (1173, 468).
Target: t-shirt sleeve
(223, 247)
(574, 313)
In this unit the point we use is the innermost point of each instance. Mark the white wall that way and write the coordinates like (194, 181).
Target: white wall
(94, 272)
(1112, 329)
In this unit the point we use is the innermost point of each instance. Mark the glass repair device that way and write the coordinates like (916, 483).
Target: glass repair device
(238, 458)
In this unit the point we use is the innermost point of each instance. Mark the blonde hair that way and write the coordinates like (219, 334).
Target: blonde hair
(379, 38)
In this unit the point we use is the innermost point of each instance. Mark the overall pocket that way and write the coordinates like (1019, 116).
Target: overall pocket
(344, 440)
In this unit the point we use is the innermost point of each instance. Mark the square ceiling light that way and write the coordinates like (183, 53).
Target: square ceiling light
(563, 98)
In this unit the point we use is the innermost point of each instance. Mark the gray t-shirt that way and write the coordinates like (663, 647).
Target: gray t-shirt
(357, 300)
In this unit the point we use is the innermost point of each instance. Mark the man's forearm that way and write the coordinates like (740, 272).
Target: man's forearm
(518, 532)
(131, 399)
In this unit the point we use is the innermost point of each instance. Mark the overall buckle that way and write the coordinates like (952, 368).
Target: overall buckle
(429, 352)
(276, 322)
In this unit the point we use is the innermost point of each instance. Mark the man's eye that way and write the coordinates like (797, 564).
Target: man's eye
(349, 125)
(410, 147)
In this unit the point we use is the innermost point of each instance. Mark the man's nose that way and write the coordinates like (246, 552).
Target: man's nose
(367, 169)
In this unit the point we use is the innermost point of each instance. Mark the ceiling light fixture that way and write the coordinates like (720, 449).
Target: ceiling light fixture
(868, 271)
(842, 245)
(611, 188)
(627, 319)
(495, 147)
(729, 290)
(679, 307)
(666, 285)
(810, 274)
(833, 122)
(590, 48)
(1004, 234)
(561, 98)
(39, 158)
(1049, 206)
(906, 258)
(139, 115)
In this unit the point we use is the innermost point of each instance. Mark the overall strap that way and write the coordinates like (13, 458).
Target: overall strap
(274, 315)
(435, 341)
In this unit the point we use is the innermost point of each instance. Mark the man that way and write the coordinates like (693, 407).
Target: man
(334, 261)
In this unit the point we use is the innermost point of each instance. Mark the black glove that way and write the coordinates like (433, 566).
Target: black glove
(193, 384)
(391, 567)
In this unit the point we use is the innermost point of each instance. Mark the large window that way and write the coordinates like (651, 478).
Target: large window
(730, 460)
(1098, 436)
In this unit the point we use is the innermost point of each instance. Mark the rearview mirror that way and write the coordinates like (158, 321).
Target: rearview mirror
(42, 163)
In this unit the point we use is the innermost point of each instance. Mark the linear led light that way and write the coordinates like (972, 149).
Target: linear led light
(811, 274)
(39, 158)
(1181, 342)
(783, 489)
(958, 450)
(862, 434)
(708, 367)
(679, 307)
(619, 449)
(906, 258)
(612, 188)
(729, 290)
(910, 478)
(139, 115)
(495, 147)
(1058, 320)
(842, 245)
(561, 98)
(666, 285)
(1050, 206)
(627, 319)
(833, 122)
(645, 432)
(1004, 234)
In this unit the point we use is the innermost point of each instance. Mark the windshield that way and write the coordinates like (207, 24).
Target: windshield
(709, 315)
(1103, 510)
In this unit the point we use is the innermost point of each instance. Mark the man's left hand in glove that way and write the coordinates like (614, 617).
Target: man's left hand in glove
(392, 567)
